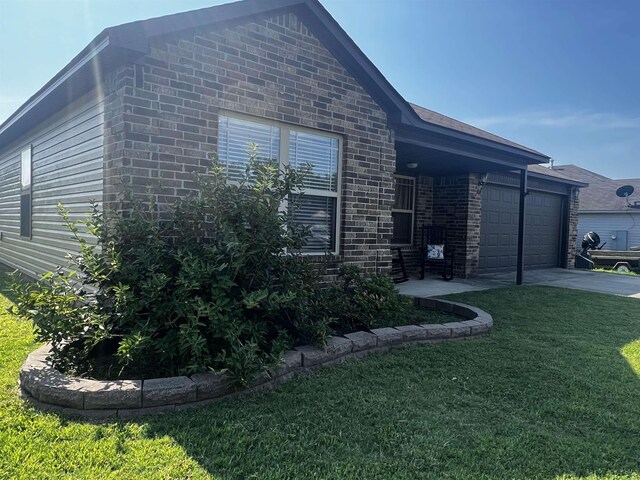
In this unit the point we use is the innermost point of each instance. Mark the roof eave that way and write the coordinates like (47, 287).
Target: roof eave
(552, 178)
(124, 43)
(519, 156)
(353, 58)
(132, 40)
(84, 58)
(81, 75)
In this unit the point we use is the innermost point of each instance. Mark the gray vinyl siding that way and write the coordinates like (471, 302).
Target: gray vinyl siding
(67, 166)
(606, 224)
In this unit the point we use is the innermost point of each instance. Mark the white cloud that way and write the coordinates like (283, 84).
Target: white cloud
(573, 120)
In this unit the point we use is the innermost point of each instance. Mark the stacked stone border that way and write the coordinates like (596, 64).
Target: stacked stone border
(50, 390)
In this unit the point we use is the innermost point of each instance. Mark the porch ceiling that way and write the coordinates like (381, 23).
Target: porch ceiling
(443, 153)
(434, 163)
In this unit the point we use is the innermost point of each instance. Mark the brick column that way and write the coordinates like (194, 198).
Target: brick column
(457, 203)
(423, 207)
(574, 202)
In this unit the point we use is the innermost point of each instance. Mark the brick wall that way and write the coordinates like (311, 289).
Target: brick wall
(474, 214)
(574, 202)
(163, 119)
(424, 207)
(457, 203)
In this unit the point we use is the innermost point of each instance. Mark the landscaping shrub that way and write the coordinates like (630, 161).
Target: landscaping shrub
(220, 284)
(362, 302)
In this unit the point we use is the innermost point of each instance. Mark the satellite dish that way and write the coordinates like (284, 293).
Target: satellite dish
(624, 191)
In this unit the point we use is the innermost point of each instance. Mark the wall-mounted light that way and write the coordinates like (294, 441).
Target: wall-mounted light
(482, 180)
(412, 165)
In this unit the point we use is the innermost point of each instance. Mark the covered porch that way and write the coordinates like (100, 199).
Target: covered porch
(441, 168)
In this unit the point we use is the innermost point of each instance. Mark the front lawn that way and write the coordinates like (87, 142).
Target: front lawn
(553, 393)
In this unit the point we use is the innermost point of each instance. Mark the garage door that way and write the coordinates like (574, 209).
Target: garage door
(499, 229)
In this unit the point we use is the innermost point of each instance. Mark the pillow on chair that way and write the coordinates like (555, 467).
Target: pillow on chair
(435, 252)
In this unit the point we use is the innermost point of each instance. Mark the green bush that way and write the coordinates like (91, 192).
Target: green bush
(363, 302)
(219, 284)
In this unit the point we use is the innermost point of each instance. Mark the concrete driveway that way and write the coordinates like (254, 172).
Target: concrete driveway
(612, 283)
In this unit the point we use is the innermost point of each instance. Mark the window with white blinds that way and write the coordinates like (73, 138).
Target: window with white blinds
(235, 136)
(319, 214)
(403, 210)
(321, 153)
(298, 148)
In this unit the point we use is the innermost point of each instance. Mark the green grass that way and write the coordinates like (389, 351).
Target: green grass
(610, 270)
(553, 393)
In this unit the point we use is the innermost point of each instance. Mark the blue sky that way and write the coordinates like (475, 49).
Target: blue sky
(560, 76)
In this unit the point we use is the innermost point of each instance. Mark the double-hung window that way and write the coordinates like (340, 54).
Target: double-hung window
(403, 210)
(25, 192)
(297, 147)
(234, 137)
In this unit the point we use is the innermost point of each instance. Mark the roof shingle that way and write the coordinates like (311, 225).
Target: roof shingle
(548, 172)
(448, 122)
(600, 195)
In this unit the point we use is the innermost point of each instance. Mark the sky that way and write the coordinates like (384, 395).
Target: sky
(559, 76)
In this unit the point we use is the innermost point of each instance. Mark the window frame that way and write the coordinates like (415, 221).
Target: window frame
(26, 190)
(398, 210)
(284, 161)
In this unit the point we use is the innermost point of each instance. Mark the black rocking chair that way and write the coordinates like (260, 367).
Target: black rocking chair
(435, 251)
(398, 270)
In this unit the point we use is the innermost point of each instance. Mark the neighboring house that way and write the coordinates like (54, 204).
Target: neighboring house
(147, 103)
(603, 212)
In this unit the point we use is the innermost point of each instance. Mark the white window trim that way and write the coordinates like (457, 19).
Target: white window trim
(285, 128)
(412, 211)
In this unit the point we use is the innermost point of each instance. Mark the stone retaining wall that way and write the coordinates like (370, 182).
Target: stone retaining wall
(49, 389)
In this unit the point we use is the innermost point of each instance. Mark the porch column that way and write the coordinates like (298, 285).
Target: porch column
(521, 221)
